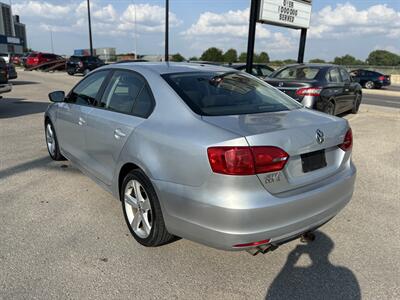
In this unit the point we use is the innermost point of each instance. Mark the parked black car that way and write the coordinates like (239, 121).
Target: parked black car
(325, 87)
(5, 87)
(370, 79)
(83, 64)
(259, 70)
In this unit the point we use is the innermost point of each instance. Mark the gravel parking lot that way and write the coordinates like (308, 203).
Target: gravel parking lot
(63, 237)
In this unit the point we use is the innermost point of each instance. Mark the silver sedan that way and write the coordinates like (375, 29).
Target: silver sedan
(204, 153)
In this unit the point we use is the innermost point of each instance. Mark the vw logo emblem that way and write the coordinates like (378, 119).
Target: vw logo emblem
(280, 84)
(319, 136)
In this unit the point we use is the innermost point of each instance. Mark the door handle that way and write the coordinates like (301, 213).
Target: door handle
(119, 134)
(81, 121)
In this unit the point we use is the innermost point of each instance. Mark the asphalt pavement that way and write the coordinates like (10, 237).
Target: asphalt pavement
(63, 237)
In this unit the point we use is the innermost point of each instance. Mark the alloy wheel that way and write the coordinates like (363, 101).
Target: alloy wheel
(50, 140)
(138, 208)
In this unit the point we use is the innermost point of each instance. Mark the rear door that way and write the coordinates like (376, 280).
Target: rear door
(349, 89)
(337, 89)
(126, 102)
(72, 115)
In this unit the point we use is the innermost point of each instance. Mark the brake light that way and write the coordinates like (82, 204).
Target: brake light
(246, 160)
(252, 244)
(309, 91)
(381, 78)
(80, 64)
(348, 141)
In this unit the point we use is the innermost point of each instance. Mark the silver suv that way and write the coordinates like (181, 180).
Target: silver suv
(204, 153)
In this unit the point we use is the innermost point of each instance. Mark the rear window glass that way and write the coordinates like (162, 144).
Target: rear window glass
(298, 73)
(232, 93)
(33, 55)
(75, 58)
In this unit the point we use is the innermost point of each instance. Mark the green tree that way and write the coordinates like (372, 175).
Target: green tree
(230, 56)
(289, 61)
(263, 57)
(194, 58)
(317, 61)
(243, 57)
(347, 60)
(178, 57)
(383, 58)
(212, 54)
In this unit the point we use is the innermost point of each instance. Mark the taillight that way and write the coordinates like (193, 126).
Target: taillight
(348, 141)
(381, 78)
(246, 160)
(80, 64)
(309, 91)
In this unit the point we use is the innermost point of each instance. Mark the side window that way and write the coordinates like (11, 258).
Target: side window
(144, 103)
(86, 91)
(122, 91)
(345, 75)
(334, 75)
(265, 71)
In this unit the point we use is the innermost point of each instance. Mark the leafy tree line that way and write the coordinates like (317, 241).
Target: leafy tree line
(213, 54)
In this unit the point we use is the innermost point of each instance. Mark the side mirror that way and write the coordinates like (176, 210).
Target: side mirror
(57, 96)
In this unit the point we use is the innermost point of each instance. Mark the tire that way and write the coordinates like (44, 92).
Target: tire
(356, 103)
(143, 213)
(71, 73)
(330, 108)
(369, 85)
(52, 142)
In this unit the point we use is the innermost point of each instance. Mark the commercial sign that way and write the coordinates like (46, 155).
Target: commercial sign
(287, 13)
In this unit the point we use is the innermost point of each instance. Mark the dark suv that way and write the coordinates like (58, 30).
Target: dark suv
(83, 64)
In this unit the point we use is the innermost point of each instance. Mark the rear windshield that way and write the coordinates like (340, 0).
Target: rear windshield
(232, 93)
(33, 55)
(75, 58)
(298, 73)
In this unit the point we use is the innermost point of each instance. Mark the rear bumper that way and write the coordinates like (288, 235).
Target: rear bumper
(223, 218)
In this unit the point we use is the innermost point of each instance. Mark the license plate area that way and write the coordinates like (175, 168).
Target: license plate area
(313, 161)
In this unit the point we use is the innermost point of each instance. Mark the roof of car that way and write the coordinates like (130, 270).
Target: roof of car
(317, 65)
(171, 67)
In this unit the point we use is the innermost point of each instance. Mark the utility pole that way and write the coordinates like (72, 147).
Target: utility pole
(136, 53)
(90, 29)
(252, 34)
(302, 46)
(166, 30)
(51, 40)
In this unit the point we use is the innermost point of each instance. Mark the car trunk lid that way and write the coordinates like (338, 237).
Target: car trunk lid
(295, 132)
(290, 87)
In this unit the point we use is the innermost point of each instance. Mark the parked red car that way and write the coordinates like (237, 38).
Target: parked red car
(38, 58)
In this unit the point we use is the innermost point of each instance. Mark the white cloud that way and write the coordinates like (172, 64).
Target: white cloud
(106, 20)
(41, 9)
(345, 19)
(230, 29)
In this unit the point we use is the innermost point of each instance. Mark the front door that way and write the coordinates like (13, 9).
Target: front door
(72, 116)
(124, 105)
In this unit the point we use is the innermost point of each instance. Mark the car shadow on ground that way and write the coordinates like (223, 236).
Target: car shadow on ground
(320, 280)
(40, 163)
(23, 82)
(17, 107)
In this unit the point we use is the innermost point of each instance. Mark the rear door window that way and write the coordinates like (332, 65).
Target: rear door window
(345, 75)
(121, 92)
(85, 93)
(334, 76)
(265, 71)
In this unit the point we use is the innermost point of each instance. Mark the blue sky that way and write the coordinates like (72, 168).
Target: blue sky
(353, 27)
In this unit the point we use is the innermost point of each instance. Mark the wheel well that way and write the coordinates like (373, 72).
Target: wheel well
(128, 167)
(46, 120)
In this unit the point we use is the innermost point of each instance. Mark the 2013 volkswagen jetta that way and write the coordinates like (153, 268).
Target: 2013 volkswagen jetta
(204, 153)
